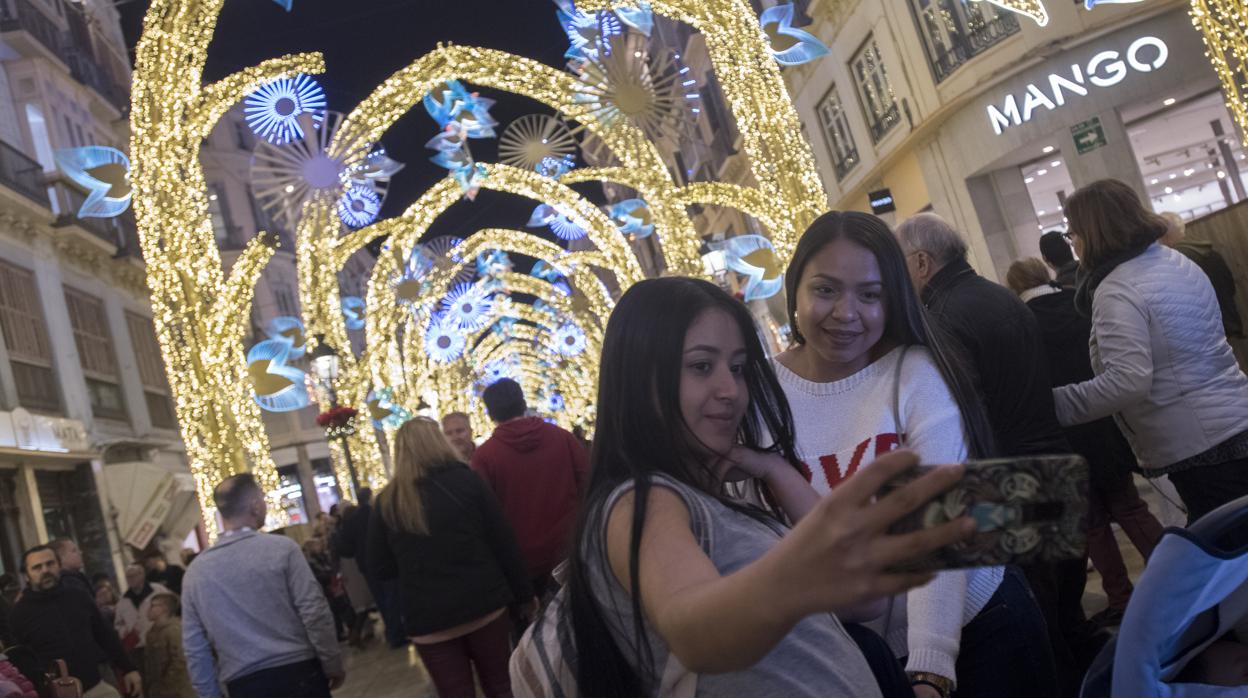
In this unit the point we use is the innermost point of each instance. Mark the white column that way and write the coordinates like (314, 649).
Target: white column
(1114, 160)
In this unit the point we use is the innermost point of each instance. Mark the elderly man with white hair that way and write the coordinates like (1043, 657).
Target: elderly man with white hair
(1002, 343)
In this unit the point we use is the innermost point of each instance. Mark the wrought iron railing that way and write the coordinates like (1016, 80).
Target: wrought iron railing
(22, 174)
(966, 45)
(22, 15)
(845, 163)
(882, 124)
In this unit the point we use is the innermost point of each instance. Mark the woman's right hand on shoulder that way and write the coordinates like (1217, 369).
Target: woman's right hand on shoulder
(839, 555)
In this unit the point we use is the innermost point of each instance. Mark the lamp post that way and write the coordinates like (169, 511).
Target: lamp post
(715, 263)
(325, 365)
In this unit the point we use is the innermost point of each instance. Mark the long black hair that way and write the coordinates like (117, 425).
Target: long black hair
(906, 322)
(640, 431)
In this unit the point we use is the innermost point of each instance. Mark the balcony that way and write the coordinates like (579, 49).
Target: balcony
(947, 55)
(880, 125)
(21, 15)
(86, 71)
(21, 174)
(114, 231)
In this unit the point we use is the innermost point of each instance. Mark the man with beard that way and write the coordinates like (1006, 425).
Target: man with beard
(59, 622)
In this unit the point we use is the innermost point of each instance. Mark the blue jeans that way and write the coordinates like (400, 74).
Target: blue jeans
(1005, 649)
(386, 596)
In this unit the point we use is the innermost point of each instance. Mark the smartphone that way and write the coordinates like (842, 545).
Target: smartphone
(1026, 510)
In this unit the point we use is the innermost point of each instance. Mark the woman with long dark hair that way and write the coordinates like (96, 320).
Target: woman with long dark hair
(1163, 367)
(438, 528)
(866, 375)
(668, 575)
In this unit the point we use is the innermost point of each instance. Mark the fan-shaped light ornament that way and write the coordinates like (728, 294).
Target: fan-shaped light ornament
(384, 411)
(1028, 8)
(631, 82)
(569, 339)
(289, 329)
(755, 257)
(554, 167)
(278, 387)
(285, 177)
(496, 370)
(359, 206)
(530, 139)
(559, 224)
(453, 103)
(444, 341)
(353, 312)
(468, 305)
(104, 172)
(632, 217)
(587, 31)
(788, 44)
(273, 110)
(640, 17)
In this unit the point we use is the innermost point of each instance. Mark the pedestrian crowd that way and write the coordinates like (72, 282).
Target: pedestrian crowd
(731, 528)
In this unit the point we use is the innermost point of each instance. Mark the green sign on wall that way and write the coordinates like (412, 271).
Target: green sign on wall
(1089, 135)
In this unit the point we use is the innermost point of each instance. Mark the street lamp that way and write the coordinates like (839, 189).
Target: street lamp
(715, 264)
(325, 365)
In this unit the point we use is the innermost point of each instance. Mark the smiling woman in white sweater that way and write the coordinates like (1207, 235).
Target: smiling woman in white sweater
(866, 376)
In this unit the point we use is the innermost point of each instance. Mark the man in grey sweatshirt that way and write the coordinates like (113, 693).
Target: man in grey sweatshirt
(252, 600)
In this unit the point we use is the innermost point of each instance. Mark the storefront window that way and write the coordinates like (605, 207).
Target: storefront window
(836, 131)
(874, 89)
(1193, 174)
(955, 31)
(71, 509)
(327, 490)
(1048, 183)
(290, 494)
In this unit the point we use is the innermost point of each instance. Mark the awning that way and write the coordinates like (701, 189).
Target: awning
(149, 498)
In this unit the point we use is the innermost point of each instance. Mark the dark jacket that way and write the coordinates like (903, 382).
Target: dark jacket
(73, 579)
(1214, 266)
(1002, 343)
(1064, 332)
(64, 623)
(6, 624)
(1067, 274)
(538, 472)
(171, 578)
(466, 567)
(351, 539)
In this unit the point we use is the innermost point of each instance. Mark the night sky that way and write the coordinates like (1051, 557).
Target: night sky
(365, 41)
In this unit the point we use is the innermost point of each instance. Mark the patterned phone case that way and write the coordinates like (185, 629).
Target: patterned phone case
(1029, 509)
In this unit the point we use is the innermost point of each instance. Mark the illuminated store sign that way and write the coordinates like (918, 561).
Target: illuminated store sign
(1105, 69)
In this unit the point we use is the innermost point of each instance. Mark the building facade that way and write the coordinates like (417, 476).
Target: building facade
(89, 446)
(990, 120)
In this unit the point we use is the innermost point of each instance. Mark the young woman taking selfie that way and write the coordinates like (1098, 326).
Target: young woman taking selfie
(671, 579)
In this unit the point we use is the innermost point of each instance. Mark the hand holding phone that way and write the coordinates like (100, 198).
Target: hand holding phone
(1028, 509)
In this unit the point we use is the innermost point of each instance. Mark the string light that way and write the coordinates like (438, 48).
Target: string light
(1224, 26)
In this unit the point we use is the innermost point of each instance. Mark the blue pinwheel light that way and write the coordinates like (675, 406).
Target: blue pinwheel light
(555, 167)
(359, 205)
(565, 228)
(542, 215)
(787, 44)
(278, 387)
(493, 263)
(444, 341)
(273, 110)
(588, 33)
(640, 18)
(454, 103)
(470, 179)
(496, 370)
(102, 171)
(289, 329)
(755, 257)
(385, 412)
(632, 217)
(569, 339)
(353, 312)
(468, 305)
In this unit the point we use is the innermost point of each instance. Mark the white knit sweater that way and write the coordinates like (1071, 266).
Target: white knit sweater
(844, 425)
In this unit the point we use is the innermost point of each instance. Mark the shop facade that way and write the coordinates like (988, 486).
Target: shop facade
(990, 120)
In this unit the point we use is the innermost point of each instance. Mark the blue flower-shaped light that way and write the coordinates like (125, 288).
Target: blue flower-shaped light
(587, 32)
(496, 370)
(555, 167)
(468, 305)
(273, 110)
(755, 257)
(444, 341)
(569, 339)
(632, 217)
(102, 171)
(502, 327)
(640, 18)
(353, 312)
(554, 402)
(359, 206)
(565, 229)
(454, 103)
(546, 272)
(805, 46)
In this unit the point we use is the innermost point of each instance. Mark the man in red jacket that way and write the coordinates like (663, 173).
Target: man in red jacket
(538, 472)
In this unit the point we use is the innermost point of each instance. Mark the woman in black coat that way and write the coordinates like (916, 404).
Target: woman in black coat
(438, 528)
(1112, 495)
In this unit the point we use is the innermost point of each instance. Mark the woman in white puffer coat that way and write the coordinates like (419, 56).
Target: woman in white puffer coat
(1163, 367)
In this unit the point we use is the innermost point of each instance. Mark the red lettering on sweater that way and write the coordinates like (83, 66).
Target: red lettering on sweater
(831, 463)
